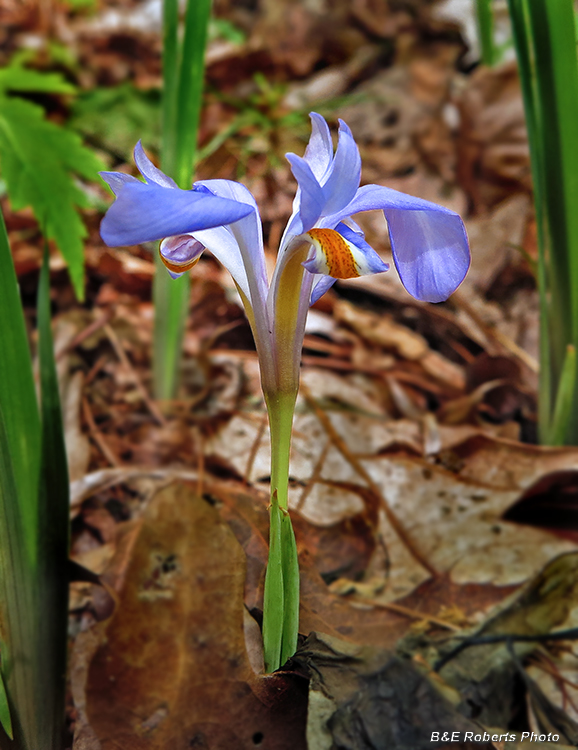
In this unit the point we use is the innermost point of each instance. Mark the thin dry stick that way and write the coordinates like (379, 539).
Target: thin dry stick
(407, 612)
(254, 449)
(346, 453)
(98, 437)
(121, 354)
(493, 333)
(200, 450)
(315, 477)
(86, 333)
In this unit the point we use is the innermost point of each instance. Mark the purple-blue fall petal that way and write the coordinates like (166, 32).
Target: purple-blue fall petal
(430, 251)
(148, 212)
(324, 283)
(372, 260)
(429, 242)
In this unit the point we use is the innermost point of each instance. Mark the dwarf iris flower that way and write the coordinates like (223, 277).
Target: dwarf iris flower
(321, 243)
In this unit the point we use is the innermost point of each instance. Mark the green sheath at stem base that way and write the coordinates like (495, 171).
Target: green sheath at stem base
(281, 598)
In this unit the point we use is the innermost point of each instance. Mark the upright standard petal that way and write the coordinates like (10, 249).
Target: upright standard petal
(147, 212)
(149, 171)
(429, 242)
(342, 182)
(319, 151)
(117, 180)
(311, 199)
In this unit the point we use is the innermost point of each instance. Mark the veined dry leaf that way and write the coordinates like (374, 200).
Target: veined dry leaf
(171, 669)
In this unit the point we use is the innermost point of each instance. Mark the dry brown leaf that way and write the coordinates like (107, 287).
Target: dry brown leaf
(171, 668)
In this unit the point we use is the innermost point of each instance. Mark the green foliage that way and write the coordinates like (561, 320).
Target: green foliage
(485, 18)
(220, 28)
(18, 78)
(39, 159)
(545, 41)
(117, 117)
(183, 79)
(34, 527)
(5, 718)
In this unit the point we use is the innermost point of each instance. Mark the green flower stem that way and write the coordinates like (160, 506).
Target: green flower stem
(485, 18)
(281, 598)
(183, 71)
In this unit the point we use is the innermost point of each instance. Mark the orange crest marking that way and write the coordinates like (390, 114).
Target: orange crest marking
(337, 251)
(179, 267)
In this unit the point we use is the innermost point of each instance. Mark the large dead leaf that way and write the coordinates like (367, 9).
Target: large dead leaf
(171, 669)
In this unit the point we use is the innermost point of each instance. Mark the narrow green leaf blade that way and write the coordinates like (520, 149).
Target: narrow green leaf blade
(17, 613)
(18, 396)
(5, 718)
(563, 409)
(290, 589)
(485, 18)
(273, 598)
(53, 513)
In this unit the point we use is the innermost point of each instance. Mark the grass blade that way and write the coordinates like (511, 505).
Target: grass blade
(53, 514)
(563, 408)
(546, 47)
(18, 396)
(5, 718)
(17, 584)
(485, 19)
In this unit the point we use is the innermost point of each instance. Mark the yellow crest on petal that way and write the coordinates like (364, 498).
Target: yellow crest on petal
(338, 253)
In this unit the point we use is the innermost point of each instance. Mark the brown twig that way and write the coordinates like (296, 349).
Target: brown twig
(414, 614)
(85, 334)
(121, 354)
(98, 437)
(314, 478)
(254, 449)
(494, 334)
(339, 443)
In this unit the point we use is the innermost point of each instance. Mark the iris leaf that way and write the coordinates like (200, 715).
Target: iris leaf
(18, 396)
(53, 523)
(5, 718)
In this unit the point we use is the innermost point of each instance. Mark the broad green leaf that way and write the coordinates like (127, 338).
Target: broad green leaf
(17, 78)
(38, 160)
(18, 396)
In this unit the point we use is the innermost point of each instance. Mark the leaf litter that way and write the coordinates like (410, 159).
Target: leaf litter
(418, 511)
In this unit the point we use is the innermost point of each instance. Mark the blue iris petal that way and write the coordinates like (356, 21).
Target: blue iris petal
(148, 212)
(117, 180)
(324, 283)
(343, 180)
(311, 198)
(319, 151)
(374, 262)
(429, 242)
